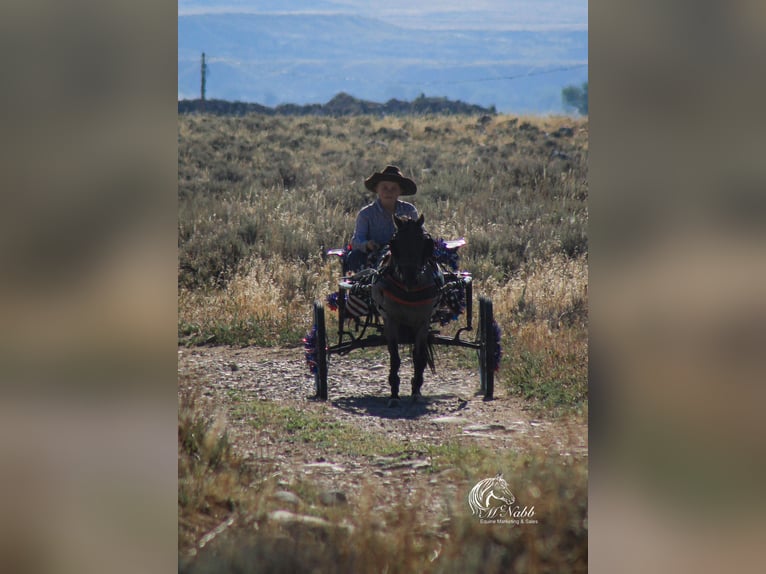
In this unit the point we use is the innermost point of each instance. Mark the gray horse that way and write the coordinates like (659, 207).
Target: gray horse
(406, 293)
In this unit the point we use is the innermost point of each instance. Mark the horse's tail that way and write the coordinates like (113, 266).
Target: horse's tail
(430, 353)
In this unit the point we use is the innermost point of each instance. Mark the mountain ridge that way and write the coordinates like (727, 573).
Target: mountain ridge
(342, 104)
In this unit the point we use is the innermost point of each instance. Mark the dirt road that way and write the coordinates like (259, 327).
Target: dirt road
(451, 409)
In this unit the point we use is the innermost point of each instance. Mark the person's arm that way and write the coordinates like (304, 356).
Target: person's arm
(360, 238)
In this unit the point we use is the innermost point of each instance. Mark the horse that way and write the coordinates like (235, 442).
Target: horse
(406, 293)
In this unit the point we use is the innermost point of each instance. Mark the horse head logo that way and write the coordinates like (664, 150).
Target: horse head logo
(491, 498)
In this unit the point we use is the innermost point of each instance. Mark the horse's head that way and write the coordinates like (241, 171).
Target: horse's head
(411, 248)
(501, 492)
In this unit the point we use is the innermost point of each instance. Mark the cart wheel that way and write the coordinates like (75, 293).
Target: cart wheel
(320, 377)
(487, 346)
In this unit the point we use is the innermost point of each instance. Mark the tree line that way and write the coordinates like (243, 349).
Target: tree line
(341, 105)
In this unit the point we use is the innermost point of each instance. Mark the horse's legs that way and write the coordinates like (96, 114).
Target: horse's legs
(419, 366)
(395, 363)
(420, 353)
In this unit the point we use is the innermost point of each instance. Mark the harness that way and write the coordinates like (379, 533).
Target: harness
(416, 296)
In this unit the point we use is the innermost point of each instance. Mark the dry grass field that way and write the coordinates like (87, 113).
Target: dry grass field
(260, 200)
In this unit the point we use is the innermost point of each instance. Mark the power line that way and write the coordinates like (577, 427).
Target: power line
(496, 78)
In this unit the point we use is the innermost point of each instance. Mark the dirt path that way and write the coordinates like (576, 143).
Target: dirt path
(451, 410)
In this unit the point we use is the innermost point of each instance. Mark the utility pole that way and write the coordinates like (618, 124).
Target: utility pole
(203, 70)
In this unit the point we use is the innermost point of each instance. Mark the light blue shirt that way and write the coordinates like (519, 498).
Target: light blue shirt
(374, 222)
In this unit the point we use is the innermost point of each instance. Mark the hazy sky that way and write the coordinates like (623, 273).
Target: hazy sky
(505, 14)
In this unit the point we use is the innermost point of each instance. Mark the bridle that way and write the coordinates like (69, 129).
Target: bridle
(402, 271)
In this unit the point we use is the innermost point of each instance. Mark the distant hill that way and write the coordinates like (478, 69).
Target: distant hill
(276, 58)
(341, 105)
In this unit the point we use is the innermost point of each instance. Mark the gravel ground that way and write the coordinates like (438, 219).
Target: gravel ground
(451, 409)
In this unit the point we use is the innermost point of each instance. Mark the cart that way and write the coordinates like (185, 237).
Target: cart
(360, 325)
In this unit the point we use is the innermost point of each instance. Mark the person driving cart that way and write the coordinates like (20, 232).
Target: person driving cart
(375, 222)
